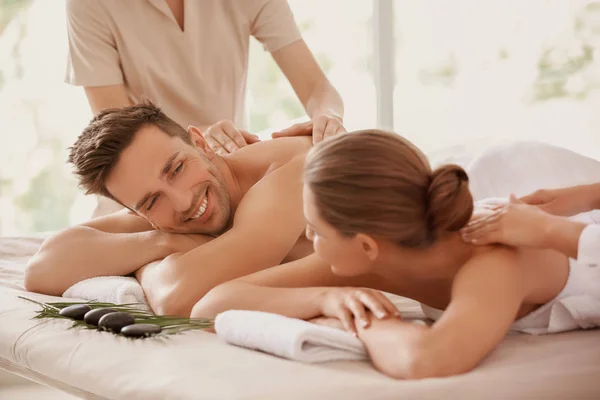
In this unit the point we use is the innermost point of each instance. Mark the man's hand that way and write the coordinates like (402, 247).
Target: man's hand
(513, 224)
(182, 243)
(566, 201)
(223, 137)
(321, 127)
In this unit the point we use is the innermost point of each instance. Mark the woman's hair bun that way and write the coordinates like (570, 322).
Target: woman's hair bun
(450, 203)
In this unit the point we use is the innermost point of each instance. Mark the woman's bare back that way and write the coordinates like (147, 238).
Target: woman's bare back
(545, 273)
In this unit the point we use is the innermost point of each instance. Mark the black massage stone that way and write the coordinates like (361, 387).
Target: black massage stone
(139, 330)
(76, 311)
(93, 317)
(116, 321)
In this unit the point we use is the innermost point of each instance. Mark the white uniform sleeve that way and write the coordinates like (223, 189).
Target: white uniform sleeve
(93, 57)
(272, 23)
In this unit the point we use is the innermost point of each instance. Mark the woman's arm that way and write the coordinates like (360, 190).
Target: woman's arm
(486, 296)
(295, 289)
(271, 290)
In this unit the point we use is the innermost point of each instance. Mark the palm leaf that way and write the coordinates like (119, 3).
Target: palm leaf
(169, 324)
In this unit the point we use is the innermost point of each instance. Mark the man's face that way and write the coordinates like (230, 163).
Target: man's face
(172, 184)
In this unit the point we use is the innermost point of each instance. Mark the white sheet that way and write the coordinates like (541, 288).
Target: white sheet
(198, 365)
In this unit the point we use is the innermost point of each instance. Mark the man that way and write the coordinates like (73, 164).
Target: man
(191, 58)
(212, 218)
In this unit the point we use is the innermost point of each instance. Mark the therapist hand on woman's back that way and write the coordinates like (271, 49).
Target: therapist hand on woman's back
(537, 220)
(529, 220)
(514, 223)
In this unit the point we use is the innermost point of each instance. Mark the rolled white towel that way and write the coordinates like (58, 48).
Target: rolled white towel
(109, 289)
(289, 338)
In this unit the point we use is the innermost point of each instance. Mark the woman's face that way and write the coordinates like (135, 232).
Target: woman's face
(345, 254)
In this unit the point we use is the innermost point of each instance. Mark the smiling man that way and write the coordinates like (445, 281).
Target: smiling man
(195, 219)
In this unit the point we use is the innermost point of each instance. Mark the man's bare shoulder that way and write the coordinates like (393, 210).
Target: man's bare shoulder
(286, 149)
(266, 156)
(278, 193)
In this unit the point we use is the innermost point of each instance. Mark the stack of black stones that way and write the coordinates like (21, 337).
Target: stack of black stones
(109, 319)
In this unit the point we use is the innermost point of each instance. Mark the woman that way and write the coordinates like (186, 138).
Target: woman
(381, 218)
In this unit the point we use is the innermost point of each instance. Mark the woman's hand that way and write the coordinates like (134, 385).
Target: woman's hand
(350, 306)
(514, 223)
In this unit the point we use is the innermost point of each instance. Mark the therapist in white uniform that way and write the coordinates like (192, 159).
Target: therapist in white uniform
(190, 57)
(540, 220)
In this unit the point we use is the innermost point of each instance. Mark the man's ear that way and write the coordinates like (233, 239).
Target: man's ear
(198, 140)
(368, 245)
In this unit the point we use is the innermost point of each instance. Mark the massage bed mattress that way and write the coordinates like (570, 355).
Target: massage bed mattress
(198, 365)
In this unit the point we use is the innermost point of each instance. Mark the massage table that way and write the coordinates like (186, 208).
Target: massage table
(198, 365)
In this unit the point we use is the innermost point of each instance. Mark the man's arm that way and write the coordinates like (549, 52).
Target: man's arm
(112, 96)
(486, 296)
(293, 289)
(116, 244)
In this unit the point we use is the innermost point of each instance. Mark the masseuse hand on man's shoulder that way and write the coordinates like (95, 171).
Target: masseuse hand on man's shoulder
(321, 127)
(224, 137)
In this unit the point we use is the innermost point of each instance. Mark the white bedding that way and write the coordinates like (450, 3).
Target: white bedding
(196, 365)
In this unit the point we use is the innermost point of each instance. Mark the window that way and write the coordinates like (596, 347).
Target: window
(445, 74)
(40, 117)
(342, 44)
(473, 72)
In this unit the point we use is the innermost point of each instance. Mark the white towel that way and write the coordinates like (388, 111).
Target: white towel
(290, 338)
(109, 289)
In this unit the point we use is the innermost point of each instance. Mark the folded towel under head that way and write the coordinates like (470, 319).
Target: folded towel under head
(110, 289)
(289, 338)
